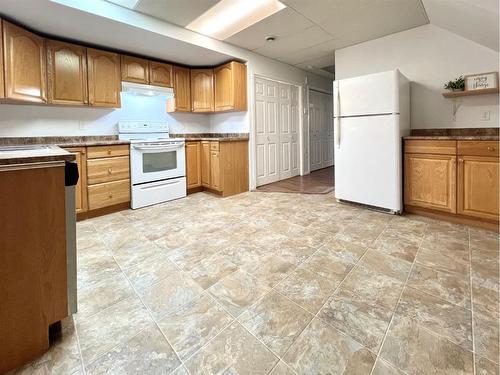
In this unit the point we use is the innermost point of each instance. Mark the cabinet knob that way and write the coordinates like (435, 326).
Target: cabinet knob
(460, 160)
(110, 170)
(109, 151)
(110, 195)
(490, 148)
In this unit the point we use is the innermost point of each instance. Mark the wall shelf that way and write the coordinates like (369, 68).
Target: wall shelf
(457, 94)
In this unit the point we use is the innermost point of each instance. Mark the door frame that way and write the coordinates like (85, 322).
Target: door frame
(308, 151)
(253, 133)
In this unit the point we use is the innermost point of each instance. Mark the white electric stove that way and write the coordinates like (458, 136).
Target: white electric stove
(157, 162)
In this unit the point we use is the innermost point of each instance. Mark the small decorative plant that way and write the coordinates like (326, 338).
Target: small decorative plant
(458, 84)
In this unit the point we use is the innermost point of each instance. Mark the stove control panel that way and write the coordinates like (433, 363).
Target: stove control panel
(142, 127)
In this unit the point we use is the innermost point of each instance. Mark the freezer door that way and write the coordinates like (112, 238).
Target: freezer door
(368, 167)
(371, 94)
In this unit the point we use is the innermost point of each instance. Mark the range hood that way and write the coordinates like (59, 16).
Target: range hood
(147, 90)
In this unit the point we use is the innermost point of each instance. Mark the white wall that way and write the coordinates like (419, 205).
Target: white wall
(32, 120)
(429, 56)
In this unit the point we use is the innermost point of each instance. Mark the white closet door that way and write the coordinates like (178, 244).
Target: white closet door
(267, 129)
(285, 135)
(294, 129)
(320, 130)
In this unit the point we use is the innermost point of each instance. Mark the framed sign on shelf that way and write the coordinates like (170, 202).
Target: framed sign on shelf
(481, 81)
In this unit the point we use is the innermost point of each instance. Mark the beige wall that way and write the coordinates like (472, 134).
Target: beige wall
(429, 56)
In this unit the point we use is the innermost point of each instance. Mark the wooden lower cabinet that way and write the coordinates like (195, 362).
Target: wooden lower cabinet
(81, 187)
(223, 166)
(104, 179)
(430, 181)
(458, 179)
(193, 164)
(478, 186)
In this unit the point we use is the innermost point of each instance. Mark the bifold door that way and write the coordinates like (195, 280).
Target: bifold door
(320, 130)
(277, 128)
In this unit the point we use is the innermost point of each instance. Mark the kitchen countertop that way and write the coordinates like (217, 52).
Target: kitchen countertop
(63, 141)
(45, 154)
(221, 137)
(455, 134)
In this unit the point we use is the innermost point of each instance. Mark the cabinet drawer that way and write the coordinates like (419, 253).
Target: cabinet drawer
(107, 170)
(478, 148)
(94, 152)
(421, 146)
(214, 146)
(108, 194)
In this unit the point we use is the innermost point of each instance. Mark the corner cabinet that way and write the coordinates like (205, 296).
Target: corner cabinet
(104, 78)
(458, 178)
(202, 90)
(24, 64)
(231, 87)
(66, 73)
(182, 89)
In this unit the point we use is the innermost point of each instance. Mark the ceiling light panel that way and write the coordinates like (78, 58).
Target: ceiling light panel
(228, 17)
(131, 4)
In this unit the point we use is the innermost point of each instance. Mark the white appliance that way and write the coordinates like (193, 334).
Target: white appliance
(157, 163)
(147, 90)
(371, 115)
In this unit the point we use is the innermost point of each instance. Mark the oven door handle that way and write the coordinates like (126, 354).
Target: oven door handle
(156, 148)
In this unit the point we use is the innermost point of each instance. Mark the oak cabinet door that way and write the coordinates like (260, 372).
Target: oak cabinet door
(134, 69)
(202, 90)
(215, 177)
(81, 186)
(205, 164)
(430, 181)
(193, 164)
(66, 73)
(182, 89)
(478, 187)
(24, 64)
(2, 87)
(104, 78)
(230, 87)
(160, 74)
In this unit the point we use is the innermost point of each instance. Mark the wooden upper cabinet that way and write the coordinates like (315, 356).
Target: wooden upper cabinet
(2, 87)
(478, 190)
(66, 73)
(104, 78)
(430, 181)
(231, 87)
(160, 74)
(202, 90)
(182, 89)
(135, 69)
(24, 64)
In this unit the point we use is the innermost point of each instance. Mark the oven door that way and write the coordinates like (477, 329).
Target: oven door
(154, 161)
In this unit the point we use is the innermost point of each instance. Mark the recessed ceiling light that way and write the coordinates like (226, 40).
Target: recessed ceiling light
(270, 38)
(228, 17)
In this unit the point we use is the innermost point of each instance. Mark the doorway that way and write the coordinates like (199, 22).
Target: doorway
(277, 124)
(321, 148)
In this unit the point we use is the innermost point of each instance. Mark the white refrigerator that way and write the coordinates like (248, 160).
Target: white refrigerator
(371, 115)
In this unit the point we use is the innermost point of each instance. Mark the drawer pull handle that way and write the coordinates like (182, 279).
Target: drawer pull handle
(110, 195)
(109, 151)
(110, 170)
(490, 148)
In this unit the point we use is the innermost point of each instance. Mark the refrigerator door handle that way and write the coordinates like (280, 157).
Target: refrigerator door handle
(337, 119)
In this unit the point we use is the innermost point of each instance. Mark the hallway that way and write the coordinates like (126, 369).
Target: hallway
(318, 182)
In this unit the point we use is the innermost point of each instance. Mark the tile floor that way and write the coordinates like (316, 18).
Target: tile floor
(270, 283)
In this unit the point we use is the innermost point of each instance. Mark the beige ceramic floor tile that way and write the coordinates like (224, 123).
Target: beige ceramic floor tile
(269, 269)
(169, 294)
(328, 266)
(210, 270)
(486, 333)
(400, 245)
(150, 271)
(485, 240)
(437, 315)
(350, 314)
(238, 291)
(282, 369)
(99, 296)
(456, 262)
(321, 349)
(146, 353)
(234, 351)
(348, 251)
(375, 261)
(276, 321)
(193, 325)
(451, 287)
(415, 350)
(102, 331)
(306, 288)
(384, 368)
(485, 367)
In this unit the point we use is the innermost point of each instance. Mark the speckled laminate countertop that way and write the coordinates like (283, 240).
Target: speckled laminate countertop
(454, 137)
(456, 134)
(45, 154)
(221, 137)
(65, 141)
